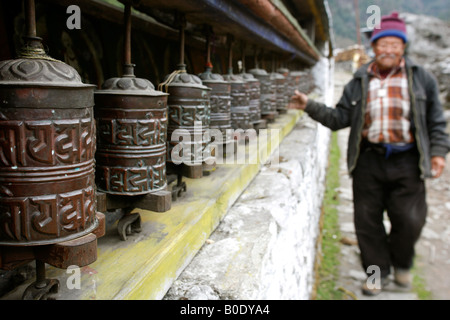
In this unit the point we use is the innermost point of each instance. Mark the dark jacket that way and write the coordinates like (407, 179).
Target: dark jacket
(428, 123)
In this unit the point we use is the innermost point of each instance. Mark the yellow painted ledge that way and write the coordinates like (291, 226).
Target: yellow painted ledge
(145, 266)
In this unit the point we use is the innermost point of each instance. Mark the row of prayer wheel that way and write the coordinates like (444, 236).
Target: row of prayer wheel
(63, 143)
(51, 133)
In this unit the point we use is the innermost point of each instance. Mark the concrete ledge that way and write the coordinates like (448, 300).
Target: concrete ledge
(146, 265)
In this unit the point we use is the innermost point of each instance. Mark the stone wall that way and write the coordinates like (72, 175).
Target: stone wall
(429, 45)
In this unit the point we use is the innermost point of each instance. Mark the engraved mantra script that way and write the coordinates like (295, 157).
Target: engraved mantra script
(44, 143)
(220, 104)
(187, 115)
(137, 179)
(133, 132)
(46, 216)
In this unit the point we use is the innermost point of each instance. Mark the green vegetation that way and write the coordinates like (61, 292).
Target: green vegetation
(419, 285)
(328, 270)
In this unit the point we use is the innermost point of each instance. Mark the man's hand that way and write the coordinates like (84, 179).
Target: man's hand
(437, 166)
(298, 101)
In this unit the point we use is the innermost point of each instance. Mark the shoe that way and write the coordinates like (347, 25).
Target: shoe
(371, 289)
(402, 277)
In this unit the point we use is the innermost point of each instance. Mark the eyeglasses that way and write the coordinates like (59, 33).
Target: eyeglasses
(384, 45)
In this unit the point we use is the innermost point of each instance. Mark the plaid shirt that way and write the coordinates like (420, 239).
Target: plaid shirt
(388, 107)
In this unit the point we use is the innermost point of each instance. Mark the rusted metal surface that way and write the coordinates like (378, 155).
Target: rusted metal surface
(220, 101)
(42, 288)
(45, 291)
(47, 145)
(254, 92)
(189, 112)
(290, 84)
(81, 252)
(132, 132)
(129, 224)
(78, 252)
(303, 80)
(267, 93)
(101, 229)
(254, 95)
(240, 97)
(157, 201)
(189, 115)
(280, 91)
(240, 102)
(178, 186)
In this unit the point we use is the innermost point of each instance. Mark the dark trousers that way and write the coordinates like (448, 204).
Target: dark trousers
(392, 185)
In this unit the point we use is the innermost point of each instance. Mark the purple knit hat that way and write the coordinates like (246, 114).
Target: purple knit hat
(391, 25)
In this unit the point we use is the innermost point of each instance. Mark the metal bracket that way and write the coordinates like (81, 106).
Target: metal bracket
(177, 188)
(128, 224)
(46, 292)
(42, 288)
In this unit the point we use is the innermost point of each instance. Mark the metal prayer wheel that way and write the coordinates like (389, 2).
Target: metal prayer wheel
(240, 102)
(132, 143)
(189, 113)
(220, 101)
(47, 146)
(303, 81)
(296, 77)
(132, 134)
(268, 94)
(289, 85)
(279, 81)
(240, 99)
(254, 95)
(189, 145)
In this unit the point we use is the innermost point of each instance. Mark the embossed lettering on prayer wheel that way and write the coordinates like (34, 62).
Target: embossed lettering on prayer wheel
(279, 81)
(267, 92)
(189, 111)
(47, 146)
(132, 134)
(254, 95)
(289, 85)
(240, 102)
(220, 101)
